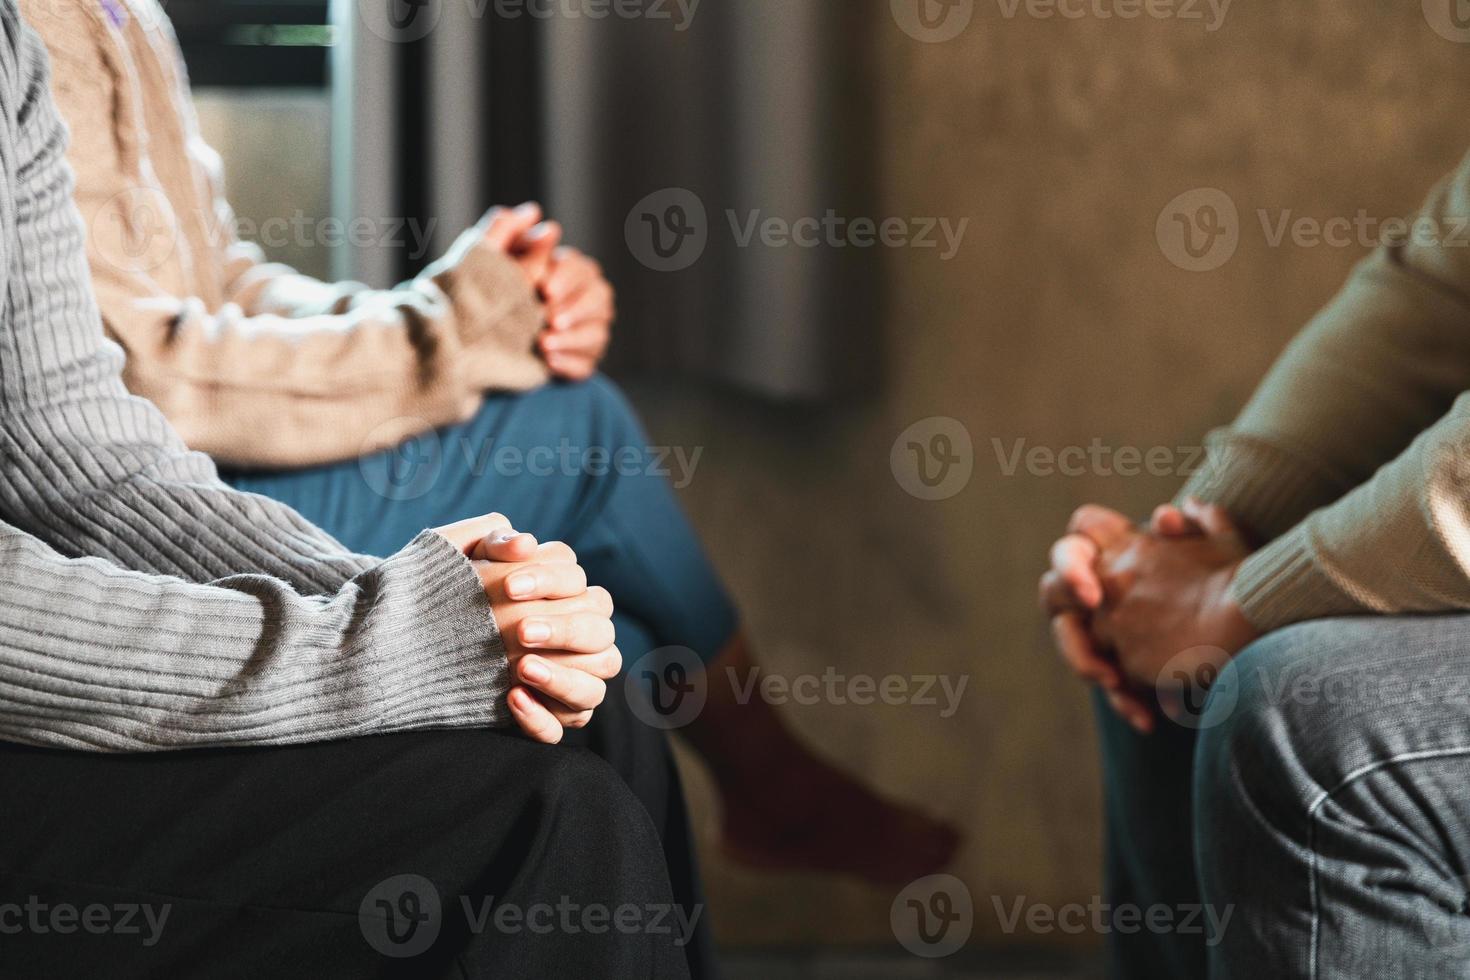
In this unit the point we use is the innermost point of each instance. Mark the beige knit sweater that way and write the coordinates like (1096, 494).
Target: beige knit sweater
(145, 605)
(1353, 457)
(251, 362)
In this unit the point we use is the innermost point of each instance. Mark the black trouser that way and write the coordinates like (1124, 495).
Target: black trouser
(333, 860)
(644, 759)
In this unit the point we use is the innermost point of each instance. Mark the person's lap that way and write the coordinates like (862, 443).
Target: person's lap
(1331, 801)
(272, 861)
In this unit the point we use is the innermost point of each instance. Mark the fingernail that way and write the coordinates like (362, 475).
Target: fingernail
(528, 208)
(504, 536)
(538, 232)
(535, 671)
(521, 584)
(536, 632)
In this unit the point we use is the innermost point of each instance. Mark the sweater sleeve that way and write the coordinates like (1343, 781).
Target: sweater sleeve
(1386, 359)
(277, 369)
(260, 629)
(291, 372)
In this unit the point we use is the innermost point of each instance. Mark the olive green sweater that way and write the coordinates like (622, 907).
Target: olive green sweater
(1352, 460)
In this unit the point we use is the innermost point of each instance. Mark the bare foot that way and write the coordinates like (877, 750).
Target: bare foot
(787, 809)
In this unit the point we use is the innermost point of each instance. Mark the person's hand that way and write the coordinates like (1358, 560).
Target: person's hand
(580, 302)
(558, 631)
(1072, 592)
(530, 242)
(580, 309)
(1167, 599)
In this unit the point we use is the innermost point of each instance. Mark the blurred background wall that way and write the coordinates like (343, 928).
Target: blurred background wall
(1065, 318)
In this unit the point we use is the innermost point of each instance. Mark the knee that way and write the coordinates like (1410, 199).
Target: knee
(574, 786)
(613, 420)
(1251, 724)
(1288, 719)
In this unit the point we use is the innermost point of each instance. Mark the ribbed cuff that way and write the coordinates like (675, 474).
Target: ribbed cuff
(1283, 583)
(1265, 489)
(448, 668)
(497, 315)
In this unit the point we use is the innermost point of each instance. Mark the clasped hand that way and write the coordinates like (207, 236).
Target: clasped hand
(580, 302)
(1128, 604)
(557, 631)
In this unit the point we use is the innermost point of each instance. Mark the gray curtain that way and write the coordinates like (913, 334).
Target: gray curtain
(630, 128)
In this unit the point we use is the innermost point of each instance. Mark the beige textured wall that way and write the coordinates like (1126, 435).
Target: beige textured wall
(1061, 321)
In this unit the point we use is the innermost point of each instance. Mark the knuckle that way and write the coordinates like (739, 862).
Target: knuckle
(558, 551)
(612, 663)
(602, 600)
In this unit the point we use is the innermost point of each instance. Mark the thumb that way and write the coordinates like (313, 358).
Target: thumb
(507, 545)
(503, 228)
(1169, 521)
(1216, 523)
(534, 249)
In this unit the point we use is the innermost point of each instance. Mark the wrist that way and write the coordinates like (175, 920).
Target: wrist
(1236, 631)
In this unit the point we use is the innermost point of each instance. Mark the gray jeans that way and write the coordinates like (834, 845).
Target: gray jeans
(1324, 788)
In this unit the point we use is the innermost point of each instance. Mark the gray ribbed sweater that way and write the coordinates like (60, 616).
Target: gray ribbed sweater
(144, 604)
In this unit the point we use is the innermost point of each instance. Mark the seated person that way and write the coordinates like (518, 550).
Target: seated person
(339, 707)
(314, 393)
(1322, 788)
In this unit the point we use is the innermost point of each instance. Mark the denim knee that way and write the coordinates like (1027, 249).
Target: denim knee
(1268, 734)
(615, 422)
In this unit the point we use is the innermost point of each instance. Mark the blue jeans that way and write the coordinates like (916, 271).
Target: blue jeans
(566, 462)
(1324, 791)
